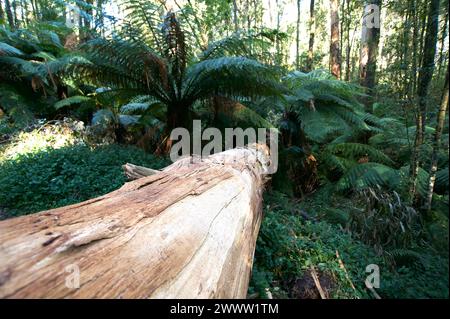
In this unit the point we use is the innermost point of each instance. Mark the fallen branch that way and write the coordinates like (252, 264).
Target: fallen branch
(342, 266)
(317, 283)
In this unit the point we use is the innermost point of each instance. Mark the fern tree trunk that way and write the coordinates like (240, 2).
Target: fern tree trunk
(302, 172)
(437, 144)
(425, 77)
(188, 231)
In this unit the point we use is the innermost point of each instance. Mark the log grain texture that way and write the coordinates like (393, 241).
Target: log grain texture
(188, 231)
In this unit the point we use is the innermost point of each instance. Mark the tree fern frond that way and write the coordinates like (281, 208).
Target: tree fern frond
(333, 162)
(72, 100)
(369, 175)
(8, 50)
(358, 150)
(239, 43)
(442, 177)
(232, 76)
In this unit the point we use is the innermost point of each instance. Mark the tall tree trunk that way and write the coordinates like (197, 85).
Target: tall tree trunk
(415, 44)
(9, 14)
(349, 45)
(279, 54)
(33, 9)
(370, 38)
(443, 38)
(23, 15)
(335, 52)
(255, 12)
(15, 14)
(405, 54)
(235, 15)
(186, 232)
(437, 144)
(297, 39)
(249, 17)
(2, 12)
(425, 77)
(99, 14)
(312, 31)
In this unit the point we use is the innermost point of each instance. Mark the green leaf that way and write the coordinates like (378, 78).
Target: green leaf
(71, 100)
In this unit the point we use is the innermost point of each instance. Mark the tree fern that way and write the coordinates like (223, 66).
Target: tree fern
(369, 175)
(76, 99)
(358, 150)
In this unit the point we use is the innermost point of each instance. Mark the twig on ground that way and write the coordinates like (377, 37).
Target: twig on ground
(317, 282)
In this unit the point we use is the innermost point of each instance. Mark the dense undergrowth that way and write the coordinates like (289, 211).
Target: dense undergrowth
(52, 170)
(297, 236)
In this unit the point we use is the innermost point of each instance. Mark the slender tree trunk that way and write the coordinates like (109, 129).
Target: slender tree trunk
(99, 15)
(33, 9)
(437, 144)
(37, 6)
(335, 52)
(2, 12)
(277, 39)
(255, 12)
(405, 54)
(9, 14)
(249, 17)
(415, 49)
(425, 77)
(349, 46)
(423, 23)
(235, 15)
(312, 31)
(297, 39)
(443, 38)
(23, 15)
(341, 27)
(16, 19)
(370, 37)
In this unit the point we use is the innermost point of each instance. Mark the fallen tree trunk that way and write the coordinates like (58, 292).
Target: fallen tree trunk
(188, 231)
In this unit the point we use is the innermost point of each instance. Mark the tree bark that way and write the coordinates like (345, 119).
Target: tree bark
(312, 30)
(9, 14)
(443, 38)
(188, 231)
(14, 11)
(370, 37)
(349, 46)
(437, 144)
(2, 13)
(425, 77)
(335, 51)
(235, 16)
(297, 37)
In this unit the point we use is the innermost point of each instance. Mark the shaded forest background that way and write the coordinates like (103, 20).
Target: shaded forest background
(86, 86)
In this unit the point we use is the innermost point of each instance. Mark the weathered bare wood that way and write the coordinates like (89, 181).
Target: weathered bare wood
(188, 231)
(133, 172)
